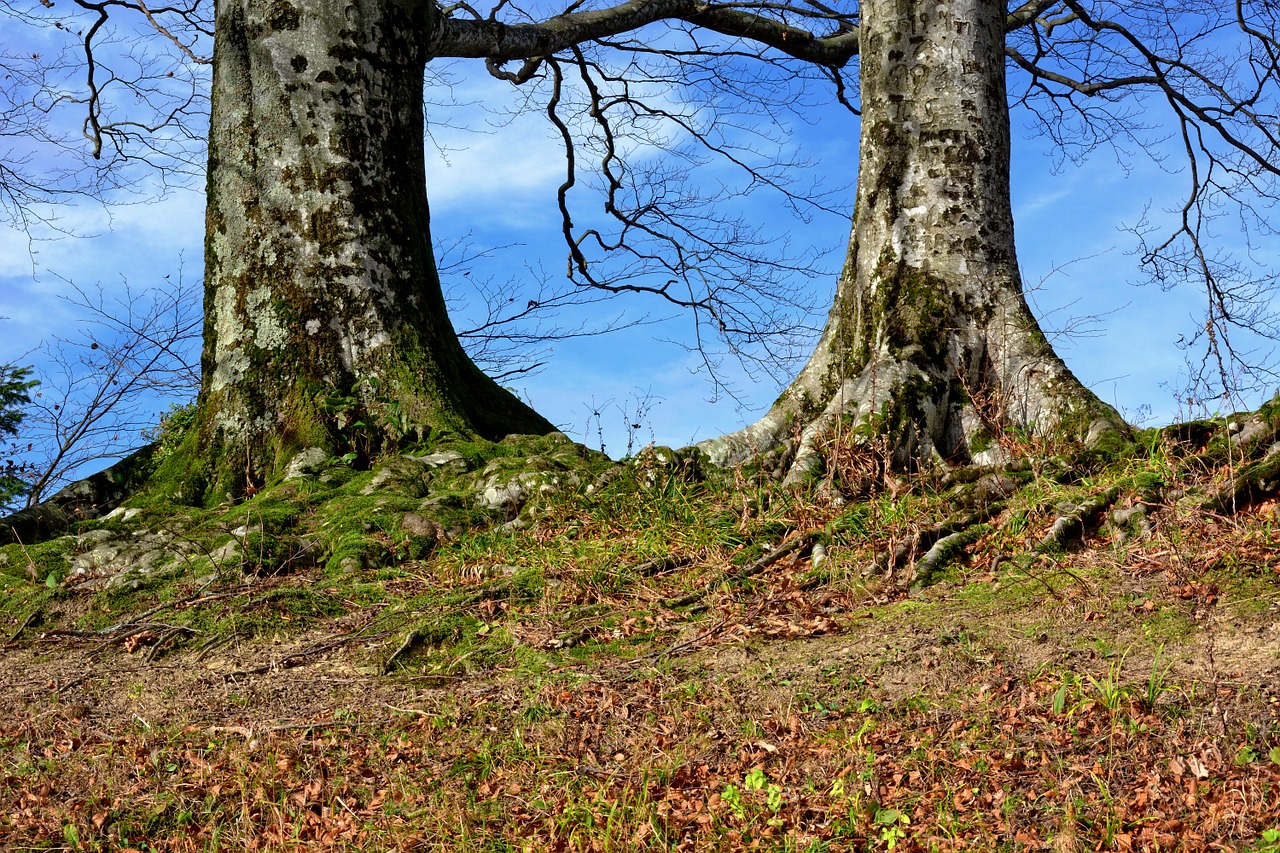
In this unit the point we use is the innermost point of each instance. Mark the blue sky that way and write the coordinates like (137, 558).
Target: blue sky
(497, 184)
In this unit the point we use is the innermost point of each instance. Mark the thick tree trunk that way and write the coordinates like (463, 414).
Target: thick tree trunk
(320, 281)
(930, 338)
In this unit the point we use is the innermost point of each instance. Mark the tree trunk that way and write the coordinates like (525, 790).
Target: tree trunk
(930, 339)
(320, 284)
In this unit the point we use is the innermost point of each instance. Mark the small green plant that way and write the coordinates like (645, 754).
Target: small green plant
(737, 798)
(773, 797)
(1268, 841)
(1112, 692)
(1018, 523)
(1111, 820)
(891, 826)
(732, 797)
(1157, 682)
(849, 823)
(172, 429)
(363, 426)
(347, 414)
(1060, 696)
(868, 726)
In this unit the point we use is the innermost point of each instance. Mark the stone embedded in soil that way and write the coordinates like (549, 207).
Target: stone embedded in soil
(307, 462)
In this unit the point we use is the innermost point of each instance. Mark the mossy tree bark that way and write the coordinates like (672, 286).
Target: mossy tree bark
(320, 280)
(930, 338)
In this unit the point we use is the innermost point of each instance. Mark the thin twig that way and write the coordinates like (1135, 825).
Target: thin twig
(409, 640)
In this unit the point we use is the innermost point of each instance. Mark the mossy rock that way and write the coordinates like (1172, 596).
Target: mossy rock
(35, 563)
(525, 466)
(323, 513)
(401, 475)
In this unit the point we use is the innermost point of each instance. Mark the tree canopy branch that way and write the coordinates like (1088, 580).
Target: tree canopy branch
(499, 41)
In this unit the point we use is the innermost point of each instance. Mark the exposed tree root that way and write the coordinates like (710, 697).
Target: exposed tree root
(944, 551)
(299, 657)
(1260, 429)
(940, 543)
(165, 639)
(1248, 445)
(1025, 561)
(133, 622)
(1229, 441)
(661, 565)
(1072, 524)
(410, 640)
(1251, 485)
(797, 544)
(792, 546)
(26, 623)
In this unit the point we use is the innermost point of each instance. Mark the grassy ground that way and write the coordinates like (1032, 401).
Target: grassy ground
(674, 662)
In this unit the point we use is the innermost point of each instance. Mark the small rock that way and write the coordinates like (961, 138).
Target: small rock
(229, 552)
(660, 464)
(992, 457)
(96, 535)
(400, 475)
(305, 463)
(416, 524)
(122, 514)
(819, 555)
(450, 459)
(100, 559)
(349, 564)
(996, 486)
(380, 478)
(1122, 516)
(506, 496)
(828, 494)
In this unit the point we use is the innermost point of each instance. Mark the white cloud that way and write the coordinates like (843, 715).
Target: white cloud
(138, 244)
(494, 176)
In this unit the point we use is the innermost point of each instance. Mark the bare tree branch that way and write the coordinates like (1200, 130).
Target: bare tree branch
(1092, 71)
(99, 390)
(496, 41)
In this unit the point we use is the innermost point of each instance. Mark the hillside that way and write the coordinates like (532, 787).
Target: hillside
(525, 646)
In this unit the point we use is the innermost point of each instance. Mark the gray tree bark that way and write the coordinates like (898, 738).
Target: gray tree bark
(320, 279)
(930, 338)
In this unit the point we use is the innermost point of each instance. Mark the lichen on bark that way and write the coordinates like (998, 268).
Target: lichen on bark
(320, 279)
